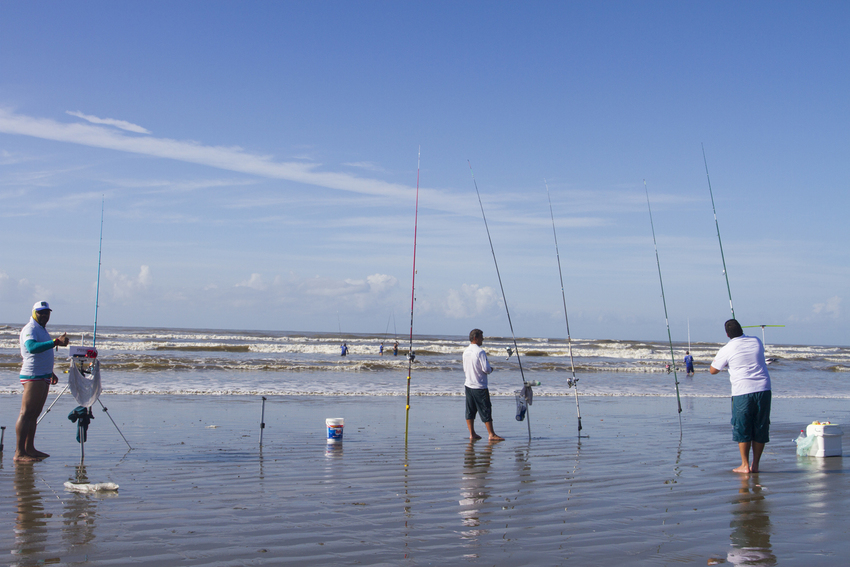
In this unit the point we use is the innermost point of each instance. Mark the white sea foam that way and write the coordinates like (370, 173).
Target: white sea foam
(214, 362)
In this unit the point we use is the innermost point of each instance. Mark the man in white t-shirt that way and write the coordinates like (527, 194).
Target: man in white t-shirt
(744, 356)
(476, 367)
(36, 377)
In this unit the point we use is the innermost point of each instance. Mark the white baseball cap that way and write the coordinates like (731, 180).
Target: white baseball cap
(41, 306)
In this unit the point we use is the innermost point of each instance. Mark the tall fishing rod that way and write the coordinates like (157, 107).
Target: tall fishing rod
(717, 225)
(97, 292)
(501, 287)
(572, 382)
(664, 301)
(94, 334)
(410, 354)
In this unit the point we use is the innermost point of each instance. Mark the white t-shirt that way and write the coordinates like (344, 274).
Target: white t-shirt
(476, 367)
(747, 369)
(37, 364)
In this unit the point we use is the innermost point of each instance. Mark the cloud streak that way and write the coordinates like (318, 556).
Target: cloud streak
(228, 158)
(123, 124)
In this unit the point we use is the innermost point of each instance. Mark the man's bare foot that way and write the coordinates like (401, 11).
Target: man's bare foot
(474, 436)
(745, 469)
(495, 437)
(38, 454)
(26, 459)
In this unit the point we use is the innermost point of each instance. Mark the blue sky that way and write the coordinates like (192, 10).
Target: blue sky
(258, 165)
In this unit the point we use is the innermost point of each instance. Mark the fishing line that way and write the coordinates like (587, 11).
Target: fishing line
(502, 288)
(716, 224)
(664, 301)
(410, 354)
(498, 275)
(573, 382)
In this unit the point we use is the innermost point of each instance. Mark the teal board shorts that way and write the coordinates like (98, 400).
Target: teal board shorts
(751, 417)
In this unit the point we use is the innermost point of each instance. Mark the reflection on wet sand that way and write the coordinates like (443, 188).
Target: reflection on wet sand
(473, 488)
(31, 526)
(78, 518)
(751, 526)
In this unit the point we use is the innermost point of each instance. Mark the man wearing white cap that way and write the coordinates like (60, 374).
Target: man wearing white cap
(36, 377)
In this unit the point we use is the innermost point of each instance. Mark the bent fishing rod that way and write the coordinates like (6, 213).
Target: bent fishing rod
(502, 288)
(410, 354)
(664, 301)
(572, 382)
(717, 225)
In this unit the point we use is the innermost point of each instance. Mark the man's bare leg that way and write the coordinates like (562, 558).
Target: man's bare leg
(32, 402)
(493, 436)
(470, 423)
(744, 448)
(758, 448)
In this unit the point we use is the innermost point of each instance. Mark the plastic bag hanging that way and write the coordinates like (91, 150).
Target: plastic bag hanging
(521, 406)
(85, 386)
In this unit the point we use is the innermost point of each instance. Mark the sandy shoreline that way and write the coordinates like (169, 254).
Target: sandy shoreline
(632, 493)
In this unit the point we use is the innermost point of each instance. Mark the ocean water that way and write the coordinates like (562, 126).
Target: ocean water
(226, 362)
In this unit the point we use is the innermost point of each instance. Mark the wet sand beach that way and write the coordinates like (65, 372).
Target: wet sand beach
(198, 490)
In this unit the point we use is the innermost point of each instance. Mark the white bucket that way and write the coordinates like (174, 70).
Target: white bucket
(335, 425)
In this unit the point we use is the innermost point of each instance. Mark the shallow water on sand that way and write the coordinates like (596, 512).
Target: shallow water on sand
(198, 490)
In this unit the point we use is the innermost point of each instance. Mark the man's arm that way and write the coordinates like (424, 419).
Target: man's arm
(34, 347)
(713, 370)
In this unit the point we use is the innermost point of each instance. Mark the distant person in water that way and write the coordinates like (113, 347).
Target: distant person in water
(36, 377)
(395, 349)
(744, 356)
(689, 363)
(381, 349)
(343, 350)
(476, 367)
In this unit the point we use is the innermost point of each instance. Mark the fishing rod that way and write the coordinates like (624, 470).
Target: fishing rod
(501, 287)
(664, 301)
(572, 382)
(717, 225)
(94, 334)
(97, 292)
(410, 354)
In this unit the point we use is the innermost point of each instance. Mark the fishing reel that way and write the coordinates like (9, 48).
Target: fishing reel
(510, 352)
(572, 382)
(83, 358)
(411, 356)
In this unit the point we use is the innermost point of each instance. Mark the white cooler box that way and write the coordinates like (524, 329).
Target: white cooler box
(827, 440)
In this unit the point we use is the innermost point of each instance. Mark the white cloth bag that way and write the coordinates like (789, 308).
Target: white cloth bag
(85, 388)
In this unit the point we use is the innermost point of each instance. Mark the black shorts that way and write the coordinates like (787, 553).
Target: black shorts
(478, 401)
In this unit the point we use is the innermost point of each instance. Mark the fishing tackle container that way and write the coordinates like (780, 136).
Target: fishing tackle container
(827, 439)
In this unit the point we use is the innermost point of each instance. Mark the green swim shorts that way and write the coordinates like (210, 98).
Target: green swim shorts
(751, 417)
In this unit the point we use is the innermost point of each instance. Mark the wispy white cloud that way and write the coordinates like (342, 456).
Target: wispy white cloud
(126, 287)
(366, 165)
(470, 300)
(123, 124)
(10, 158)
(154, 186)
(309, 173)
(228, 158)
(254, 282)
(832, 307)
